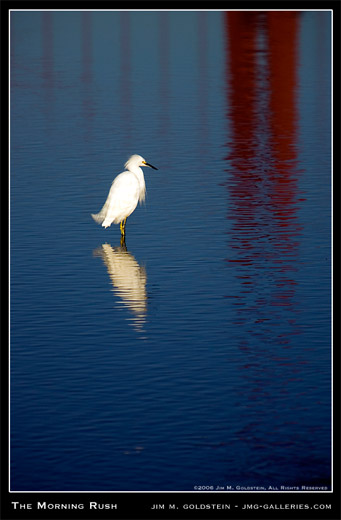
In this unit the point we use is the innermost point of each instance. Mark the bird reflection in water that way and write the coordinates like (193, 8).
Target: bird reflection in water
(128, 279)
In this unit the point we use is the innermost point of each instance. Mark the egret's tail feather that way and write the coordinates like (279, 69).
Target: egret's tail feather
(98, 217)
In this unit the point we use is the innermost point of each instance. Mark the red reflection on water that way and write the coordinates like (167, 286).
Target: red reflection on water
(47, 48)
(203, 87)
(86, 74)
(125, 75)
(261, 51)
(245, 193)
(261, 85)
(48, 73)
(86, 32)
(281, 29)
(241, 82)
(164, 70)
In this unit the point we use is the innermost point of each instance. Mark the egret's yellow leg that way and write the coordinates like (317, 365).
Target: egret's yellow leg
(123, 226)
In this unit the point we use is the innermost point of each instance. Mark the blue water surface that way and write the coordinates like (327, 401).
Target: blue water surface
(198, 352)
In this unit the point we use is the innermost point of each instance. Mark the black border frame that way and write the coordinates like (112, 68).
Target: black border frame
(138, 505)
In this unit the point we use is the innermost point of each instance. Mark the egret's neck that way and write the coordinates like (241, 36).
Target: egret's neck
(138, 172)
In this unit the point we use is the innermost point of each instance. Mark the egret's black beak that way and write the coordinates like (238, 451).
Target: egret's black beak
(151, 166)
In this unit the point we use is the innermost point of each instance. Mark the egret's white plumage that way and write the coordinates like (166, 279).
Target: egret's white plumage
(127, 189)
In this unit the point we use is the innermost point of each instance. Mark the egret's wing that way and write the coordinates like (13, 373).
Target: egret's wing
(121, 201)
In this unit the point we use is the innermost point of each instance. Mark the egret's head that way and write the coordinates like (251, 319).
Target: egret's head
(137, 160)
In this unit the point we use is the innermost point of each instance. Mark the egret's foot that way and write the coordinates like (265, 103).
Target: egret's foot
(123, 243)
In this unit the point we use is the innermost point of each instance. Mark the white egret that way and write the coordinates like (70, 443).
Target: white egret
(127, 189)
